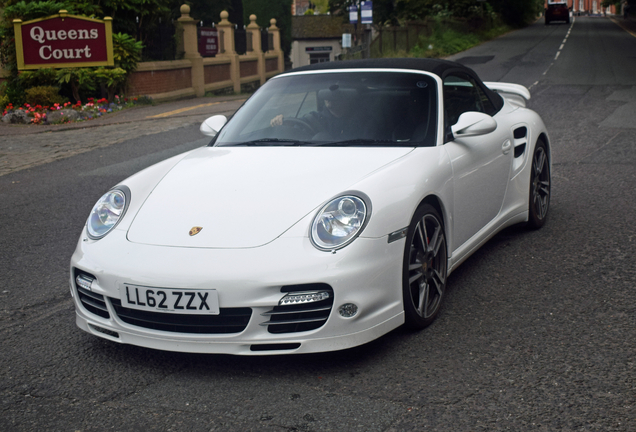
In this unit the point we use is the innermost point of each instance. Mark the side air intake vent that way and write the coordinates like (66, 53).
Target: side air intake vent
(521, 140)
(92, 302)
(303, 308)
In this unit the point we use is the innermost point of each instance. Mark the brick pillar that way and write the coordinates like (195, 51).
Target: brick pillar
(277, 49)
(256, 35)
(191, 48)
(255, 30)
(227, 28)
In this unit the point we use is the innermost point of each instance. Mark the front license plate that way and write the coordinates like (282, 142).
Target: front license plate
(195, 302)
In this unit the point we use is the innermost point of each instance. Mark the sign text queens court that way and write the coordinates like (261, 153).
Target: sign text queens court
(63, 40)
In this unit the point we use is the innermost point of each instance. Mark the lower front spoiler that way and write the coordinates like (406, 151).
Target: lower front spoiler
(242, 347)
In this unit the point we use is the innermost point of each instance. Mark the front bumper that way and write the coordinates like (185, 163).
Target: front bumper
(367, 273)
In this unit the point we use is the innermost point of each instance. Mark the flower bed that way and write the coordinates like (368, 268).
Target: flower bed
(67, 112)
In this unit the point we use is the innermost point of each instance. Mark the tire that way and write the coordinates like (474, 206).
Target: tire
(425, 268)
(540, 184)
(547, 21)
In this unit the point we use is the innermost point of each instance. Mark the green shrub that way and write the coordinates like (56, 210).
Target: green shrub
(44, 95)
(80, 80)
(111, 79)
(4, 101)
(126, 51)
(38, 77)
(447, 39)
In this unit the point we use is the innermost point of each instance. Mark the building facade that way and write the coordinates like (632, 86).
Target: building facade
(585, 6)
(317, 38)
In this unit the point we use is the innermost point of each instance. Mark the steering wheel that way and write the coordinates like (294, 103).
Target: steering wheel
(299, 124)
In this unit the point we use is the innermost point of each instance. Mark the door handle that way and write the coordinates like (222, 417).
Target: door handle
(505, 148)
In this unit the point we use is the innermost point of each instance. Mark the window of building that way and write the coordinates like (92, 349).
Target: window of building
(318, 58)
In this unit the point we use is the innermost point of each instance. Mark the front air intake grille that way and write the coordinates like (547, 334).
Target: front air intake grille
(294, 318)
(92, 302)
(230, 320)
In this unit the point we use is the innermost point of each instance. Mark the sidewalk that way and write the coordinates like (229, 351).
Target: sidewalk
(27, 146)
(629, 24)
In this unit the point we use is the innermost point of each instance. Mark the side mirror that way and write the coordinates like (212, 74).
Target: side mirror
(473, 123)
(211, 126)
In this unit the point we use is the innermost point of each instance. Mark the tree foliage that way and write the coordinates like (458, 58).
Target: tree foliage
(126, 51)
(513, 12)
(265, 10)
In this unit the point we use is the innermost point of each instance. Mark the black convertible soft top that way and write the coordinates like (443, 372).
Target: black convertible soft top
(438, 67)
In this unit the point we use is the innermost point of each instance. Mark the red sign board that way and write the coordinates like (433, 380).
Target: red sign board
(64, 41)
(208, 41)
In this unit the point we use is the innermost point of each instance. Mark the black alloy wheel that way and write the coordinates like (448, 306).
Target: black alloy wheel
(539, 199)
(425, 268)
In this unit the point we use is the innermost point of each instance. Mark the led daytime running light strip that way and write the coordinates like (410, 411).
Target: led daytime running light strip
(304, 297)
(84, 282)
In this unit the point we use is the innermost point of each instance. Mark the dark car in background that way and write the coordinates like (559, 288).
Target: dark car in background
(557, 12)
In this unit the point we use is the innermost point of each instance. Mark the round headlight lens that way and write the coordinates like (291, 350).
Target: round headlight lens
(106, 213)
(338, 222)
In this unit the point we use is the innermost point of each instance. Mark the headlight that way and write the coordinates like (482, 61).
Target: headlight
(108, 211)
(339, 222)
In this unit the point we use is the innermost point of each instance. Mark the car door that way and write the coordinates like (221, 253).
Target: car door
(481, 164)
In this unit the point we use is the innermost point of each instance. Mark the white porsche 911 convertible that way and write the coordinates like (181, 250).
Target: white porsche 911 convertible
(329, 210)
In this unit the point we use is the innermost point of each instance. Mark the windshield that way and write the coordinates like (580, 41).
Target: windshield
(338, 109)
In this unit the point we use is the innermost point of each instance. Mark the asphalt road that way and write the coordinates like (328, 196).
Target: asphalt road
(537, 332)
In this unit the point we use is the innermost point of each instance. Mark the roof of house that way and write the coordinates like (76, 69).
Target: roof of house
(319, 27)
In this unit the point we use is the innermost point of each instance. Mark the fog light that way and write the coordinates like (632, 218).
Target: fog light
(348, 310)
(84, 282)
(303, 297)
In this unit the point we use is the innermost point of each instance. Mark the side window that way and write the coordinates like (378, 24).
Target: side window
(461, 94)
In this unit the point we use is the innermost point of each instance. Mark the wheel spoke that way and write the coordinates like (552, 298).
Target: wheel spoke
(439, 280)
(422, 237)
(438, 239)
(415, 277)
(539, 162)
(540, 205)
(544, 206)
(423, 299)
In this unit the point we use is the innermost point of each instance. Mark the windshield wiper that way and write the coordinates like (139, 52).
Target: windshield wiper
(356, 142)
(267, 141)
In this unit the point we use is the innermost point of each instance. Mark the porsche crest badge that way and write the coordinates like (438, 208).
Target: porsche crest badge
(195, 230)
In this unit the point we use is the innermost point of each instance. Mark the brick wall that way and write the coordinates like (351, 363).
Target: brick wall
(271, 65)
(249, 68)
(159, 81)
(216, 73)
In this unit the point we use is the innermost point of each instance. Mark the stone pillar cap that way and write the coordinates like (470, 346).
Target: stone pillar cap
(224, 17)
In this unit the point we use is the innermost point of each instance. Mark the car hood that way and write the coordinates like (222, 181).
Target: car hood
(245, 197)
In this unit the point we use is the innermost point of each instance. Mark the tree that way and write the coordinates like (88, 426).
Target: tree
(265, 10)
